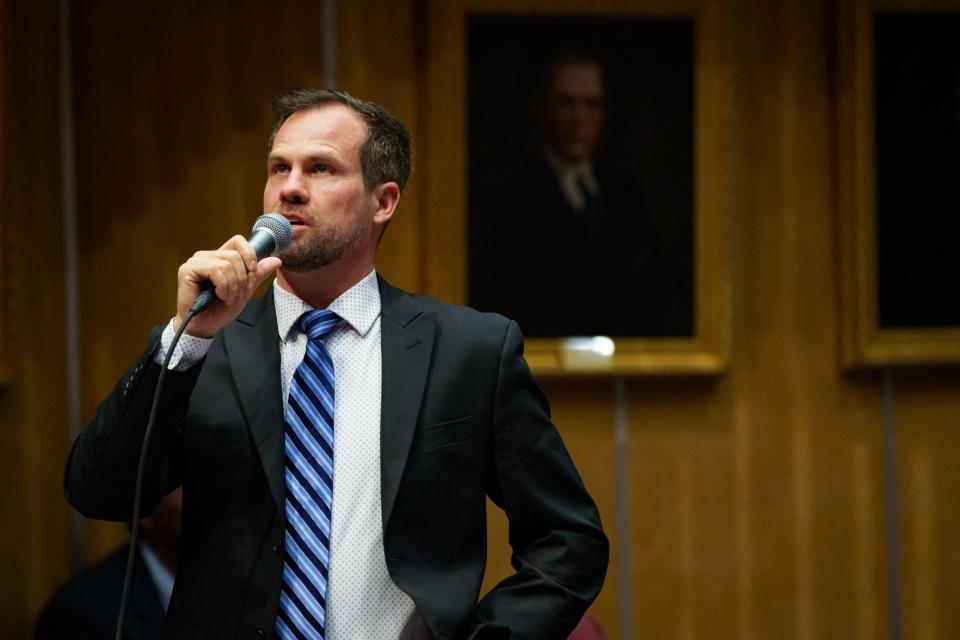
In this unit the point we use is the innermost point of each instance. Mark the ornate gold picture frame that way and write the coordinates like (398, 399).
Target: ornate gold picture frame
(444, 171)
(894, 313)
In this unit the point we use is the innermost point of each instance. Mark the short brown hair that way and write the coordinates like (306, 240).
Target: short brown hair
(385, 155)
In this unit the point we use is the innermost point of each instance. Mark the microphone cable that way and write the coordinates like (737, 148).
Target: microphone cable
(141, 463)
(271, 234)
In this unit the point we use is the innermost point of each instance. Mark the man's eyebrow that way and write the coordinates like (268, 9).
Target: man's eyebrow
(323, 156)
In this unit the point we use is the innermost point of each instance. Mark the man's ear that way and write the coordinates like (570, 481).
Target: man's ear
(387, 197)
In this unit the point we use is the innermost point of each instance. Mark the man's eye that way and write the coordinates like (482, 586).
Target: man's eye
(321, 168)
(279, 168)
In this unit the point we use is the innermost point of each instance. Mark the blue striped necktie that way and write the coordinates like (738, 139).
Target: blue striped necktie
(308, 443)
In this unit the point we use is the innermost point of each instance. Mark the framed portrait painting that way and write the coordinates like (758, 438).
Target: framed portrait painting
(576, 151)
(900, 166)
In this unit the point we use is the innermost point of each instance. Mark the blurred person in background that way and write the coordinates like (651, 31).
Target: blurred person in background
(86, 607)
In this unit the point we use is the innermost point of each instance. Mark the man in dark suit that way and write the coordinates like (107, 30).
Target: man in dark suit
(560, 239)
(379, 532)
(86, 607)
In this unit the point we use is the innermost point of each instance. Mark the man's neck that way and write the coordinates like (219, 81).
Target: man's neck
(561, 164)
(320, 287)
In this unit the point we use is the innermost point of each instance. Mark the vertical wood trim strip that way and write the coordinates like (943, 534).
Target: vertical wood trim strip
(892, 507)
(68, 205)
(621, 435)
(331, 60)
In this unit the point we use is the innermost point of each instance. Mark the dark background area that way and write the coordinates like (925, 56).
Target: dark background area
(917, 80)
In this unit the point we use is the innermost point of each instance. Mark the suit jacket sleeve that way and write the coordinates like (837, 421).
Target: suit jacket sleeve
(559, 550)
(102, 465)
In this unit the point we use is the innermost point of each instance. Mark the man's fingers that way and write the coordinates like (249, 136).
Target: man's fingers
(235, 262)
(226, 281)
(265, 268)
(225, 268)
(242, 246)
(235, 273)
(239, 274)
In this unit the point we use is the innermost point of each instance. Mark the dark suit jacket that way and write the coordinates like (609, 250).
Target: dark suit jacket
(86, 607)
(461, 419)
(560, 273)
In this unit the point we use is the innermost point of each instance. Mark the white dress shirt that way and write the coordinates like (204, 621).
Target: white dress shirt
(573, 178)
(362, 600)
(161, 576)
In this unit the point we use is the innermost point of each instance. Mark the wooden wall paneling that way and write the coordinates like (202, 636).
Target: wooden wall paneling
(4, 363)
(927, 409)
(442, 148)
(776, 434)
(171, 142)
(34, 527)
(794, 415)
(379, 59)
(681, 545)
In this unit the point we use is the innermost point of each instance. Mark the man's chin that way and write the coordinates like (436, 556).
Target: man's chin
(295, 261)
(311, 253)
(575, 154)
(304, 266)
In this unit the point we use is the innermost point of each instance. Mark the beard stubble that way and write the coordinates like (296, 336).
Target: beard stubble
(320, 247)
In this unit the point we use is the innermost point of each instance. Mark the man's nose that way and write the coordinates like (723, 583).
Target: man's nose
(294, 189)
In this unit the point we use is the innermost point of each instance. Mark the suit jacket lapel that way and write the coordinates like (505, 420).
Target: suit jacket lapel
(407, 332)
(252, 346)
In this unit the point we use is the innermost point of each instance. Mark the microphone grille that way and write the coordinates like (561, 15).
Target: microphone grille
(278, 226)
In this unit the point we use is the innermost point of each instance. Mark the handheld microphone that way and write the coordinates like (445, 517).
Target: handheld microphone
(272, 234)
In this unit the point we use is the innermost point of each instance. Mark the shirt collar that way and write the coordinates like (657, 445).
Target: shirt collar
(571, 172)
(358, 306)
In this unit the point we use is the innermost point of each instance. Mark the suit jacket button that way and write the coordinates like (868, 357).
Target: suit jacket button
(257, 634)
